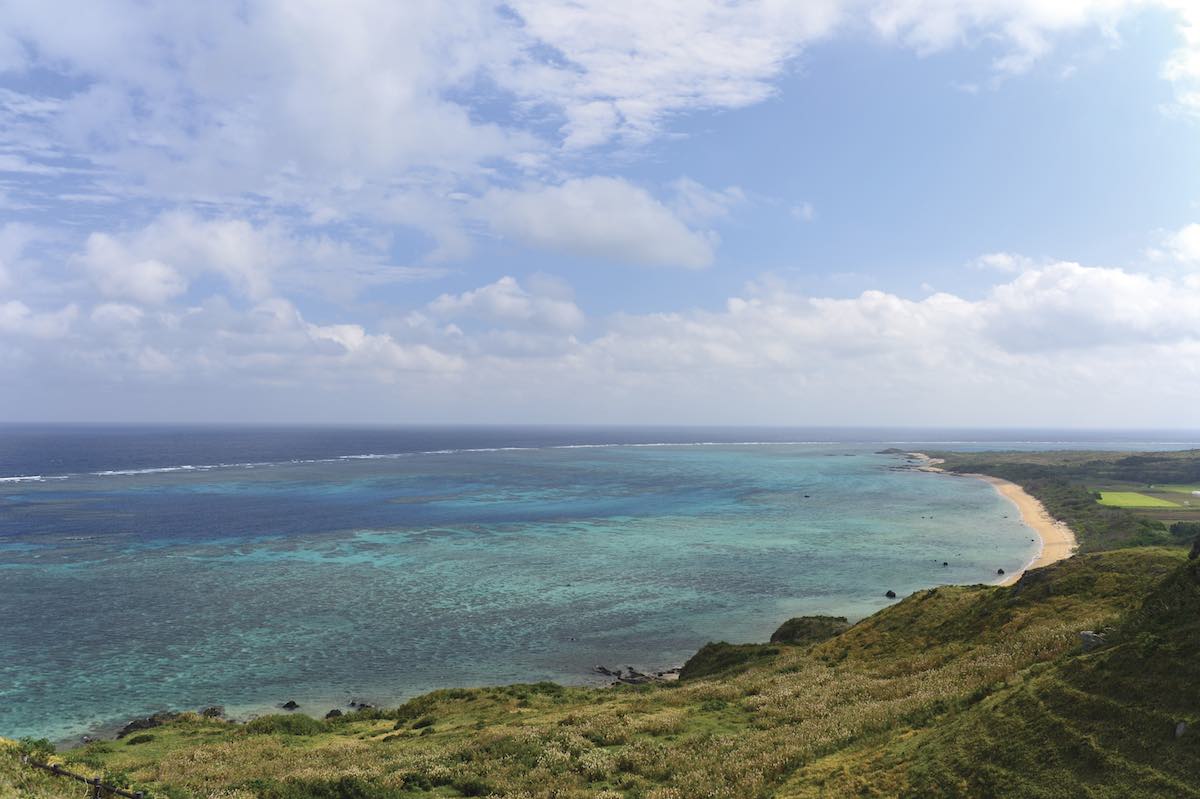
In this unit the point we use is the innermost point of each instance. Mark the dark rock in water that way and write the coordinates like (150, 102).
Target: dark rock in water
(606, 672)
(945, 563)
(1091, 640)
(365, 706)
(290, 705)
(333, 714)
(890, 594)
(87, 739)
(213, 712)
(156, 720)
(809, 629)
(999, 571)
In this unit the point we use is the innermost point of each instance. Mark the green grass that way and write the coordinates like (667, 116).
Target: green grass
(1132, 499)
(953, 691)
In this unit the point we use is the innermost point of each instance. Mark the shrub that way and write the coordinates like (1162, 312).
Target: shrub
(471, 786)
(716, 658)
(1185, 531)
(415, 708)
(341, 788)
(280, 724)
(37, 748)
(809, 629)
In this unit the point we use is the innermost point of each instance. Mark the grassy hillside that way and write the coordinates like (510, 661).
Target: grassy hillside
(954, 691)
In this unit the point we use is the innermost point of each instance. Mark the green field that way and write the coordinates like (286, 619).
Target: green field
(1132, 499)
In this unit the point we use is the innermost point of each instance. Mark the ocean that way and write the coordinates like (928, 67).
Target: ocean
(151, 568)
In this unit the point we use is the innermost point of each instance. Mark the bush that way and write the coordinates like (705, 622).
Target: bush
(809, 629)
(36, 748)
(472, 786)
(342, 788)
(414, 708)
(280, 724)
(715, 658)
(1185, 531)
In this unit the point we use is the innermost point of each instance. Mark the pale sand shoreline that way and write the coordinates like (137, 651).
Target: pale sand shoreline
(1057, 539)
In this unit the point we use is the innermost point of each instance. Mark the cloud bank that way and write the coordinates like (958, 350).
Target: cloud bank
(221, 199)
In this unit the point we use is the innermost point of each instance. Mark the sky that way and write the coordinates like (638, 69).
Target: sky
(835, 212)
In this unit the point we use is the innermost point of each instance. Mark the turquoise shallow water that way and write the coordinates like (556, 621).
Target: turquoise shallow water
(379, 578)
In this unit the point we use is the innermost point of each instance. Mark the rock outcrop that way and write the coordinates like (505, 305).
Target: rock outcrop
(149, 722)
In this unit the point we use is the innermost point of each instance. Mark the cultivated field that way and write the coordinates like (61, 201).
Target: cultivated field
(1133, 499)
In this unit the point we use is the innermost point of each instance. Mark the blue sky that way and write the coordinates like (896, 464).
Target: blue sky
(840, 212)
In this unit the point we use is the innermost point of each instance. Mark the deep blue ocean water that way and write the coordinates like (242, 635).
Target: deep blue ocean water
(146, 568)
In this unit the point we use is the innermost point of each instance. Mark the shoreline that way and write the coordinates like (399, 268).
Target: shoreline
(1056, 540)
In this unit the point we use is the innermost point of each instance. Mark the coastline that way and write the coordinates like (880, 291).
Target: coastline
(1056, 540)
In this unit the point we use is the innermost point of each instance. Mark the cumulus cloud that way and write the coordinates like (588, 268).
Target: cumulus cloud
(120, 273)
(19, 319)
(1002, 262)
(15, 239)
(507, 303)
(156, 262)
(598, 217)
(1184, 244)
(1038, 339)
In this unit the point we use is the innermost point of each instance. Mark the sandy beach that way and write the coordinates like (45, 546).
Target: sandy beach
(1057, 539)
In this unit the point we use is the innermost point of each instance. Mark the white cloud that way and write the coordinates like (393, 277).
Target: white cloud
(804, 212)
(311, 103)
(155, 262)
(629, 66)
(1023, 353)
(116, 315)
(373, 115)
(120, 273)
(15, 240)
(507, 303)
(19, 319)
(696, 204)
(597, 217)
(1002, 262)
(1184, 244)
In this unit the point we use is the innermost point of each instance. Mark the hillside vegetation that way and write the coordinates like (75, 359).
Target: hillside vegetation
(1067, 484)
(954, 691)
